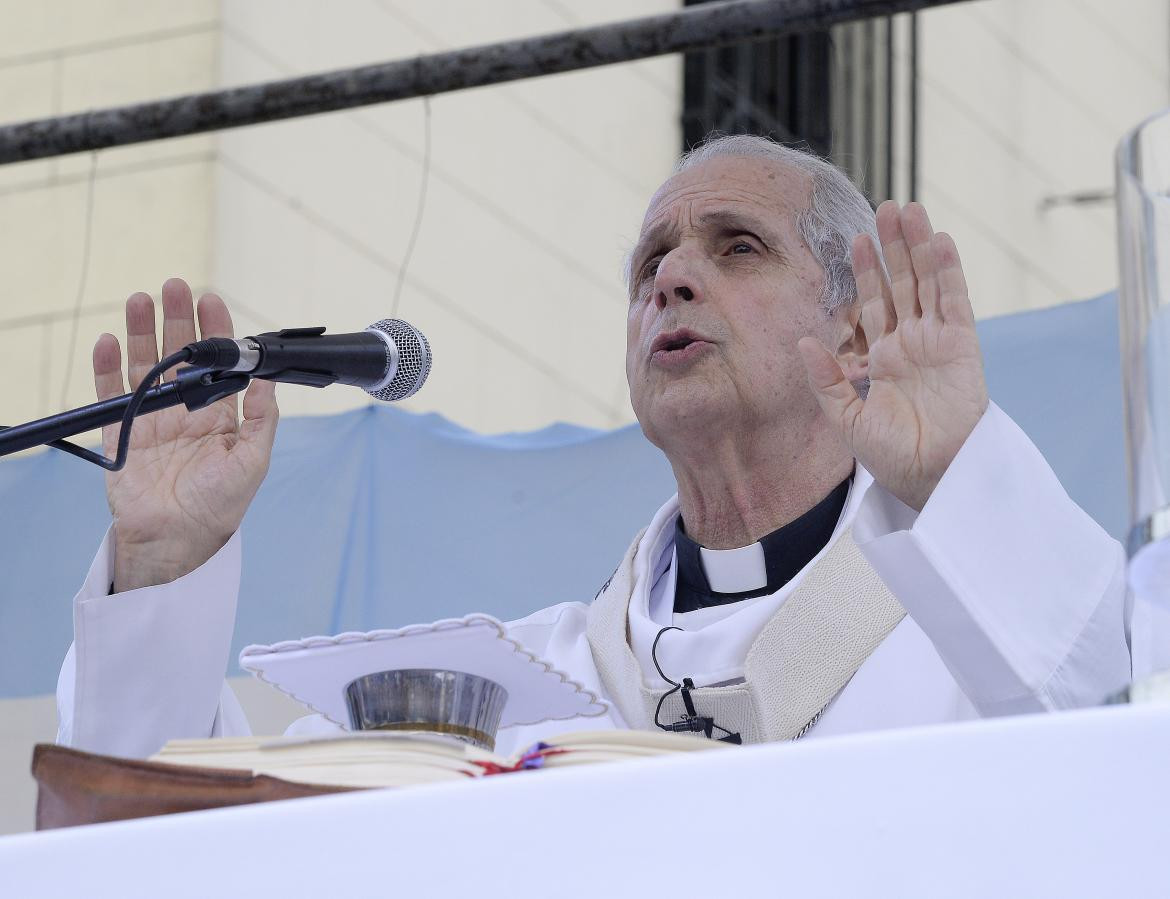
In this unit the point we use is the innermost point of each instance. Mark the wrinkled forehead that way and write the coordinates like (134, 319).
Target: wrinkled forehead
(766, 188)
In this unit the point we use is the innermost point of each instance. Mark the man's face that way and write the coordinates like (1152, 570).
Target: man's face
(723, 287)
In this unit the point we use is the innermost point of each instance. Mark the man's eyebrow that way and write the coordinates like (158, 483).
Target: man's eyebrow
(727, 220)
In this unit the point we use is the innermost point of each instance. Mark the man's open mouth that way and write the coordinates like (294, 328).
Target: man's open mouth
(672, 341)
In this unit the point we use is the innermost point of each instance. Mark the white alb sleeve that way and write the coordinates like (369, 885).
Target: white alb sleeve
(148, 665)
(1022, 594)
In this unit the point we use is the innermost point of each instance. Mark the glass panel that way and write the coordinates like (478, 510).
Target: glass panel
(1143, 192)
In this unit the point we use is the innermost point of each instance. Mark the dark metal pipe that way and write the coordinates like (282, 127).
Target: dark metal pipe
(693, 28)
(914, 93)
(888, 149)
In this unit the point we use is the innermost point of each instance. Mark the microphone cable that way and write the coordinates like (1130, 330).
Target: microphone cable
(692, 722)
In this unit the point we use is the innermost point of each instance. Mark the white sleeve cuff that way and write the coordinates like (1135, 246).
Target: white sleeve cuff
(149, 663)
(1020, 591)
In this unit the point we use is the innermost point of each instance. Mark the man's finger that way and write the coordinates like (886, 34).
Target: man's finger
(107, 379)
(214, 318)
(903, 283)
(178, 317)
(838, 398)
(216, 321)
(141, 338)
(954, 300)
(917, 231)
(873, 291)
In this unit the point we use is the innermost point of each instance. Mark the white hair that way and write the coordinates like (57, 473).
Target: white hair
(836, 214)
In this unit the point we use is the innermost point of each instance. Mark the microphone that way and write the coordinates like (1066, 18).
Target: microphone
(389, 360)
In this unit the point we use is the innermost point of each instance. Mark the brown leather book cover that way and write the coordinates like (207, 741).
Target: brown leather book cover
(76, 787)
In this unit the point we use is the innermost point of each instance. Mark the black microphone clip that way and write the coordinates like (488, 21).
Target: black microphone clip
(691, 722)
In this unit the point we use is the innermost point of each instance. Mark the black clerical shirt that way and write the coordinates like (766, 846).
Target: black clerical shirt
(786, 551)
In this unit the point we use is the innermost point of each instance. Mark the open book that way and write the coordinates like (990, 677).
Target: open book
(397, 759)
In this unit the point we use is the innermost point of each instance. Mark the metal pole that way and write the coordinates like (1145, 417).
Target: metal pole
(913, 193)
(888, 148)
(693, 28)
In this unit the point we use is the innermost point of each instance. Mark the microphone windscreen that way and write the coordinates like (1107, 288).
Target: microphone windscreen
(414, 360)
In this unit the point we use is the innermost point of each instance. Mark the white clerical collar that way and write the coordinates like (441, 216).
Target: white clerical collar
(712, 648)
(709, 577)
(735, 570)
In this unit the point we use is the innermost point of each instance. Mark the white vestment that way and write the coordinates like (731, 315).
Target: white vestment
(1015, 599)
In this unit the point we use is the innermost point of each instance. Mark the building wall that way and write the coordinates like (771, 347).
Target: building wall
(535, 191)
(1023, 104)
(151, 206)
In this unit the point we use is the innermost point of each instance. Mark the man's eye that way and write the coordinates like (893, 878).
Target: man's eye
(741, 248)
(642, 284)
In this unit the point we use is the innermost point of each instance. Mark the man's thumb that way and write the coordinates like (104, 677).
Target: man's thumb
(260, 414)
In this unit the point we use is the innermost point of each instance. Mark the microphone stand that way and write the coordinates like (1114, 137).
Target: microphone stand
(195, 388)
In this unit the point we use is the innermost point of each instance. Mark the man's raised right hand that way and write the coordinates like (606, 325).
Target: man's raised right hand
(189, 476)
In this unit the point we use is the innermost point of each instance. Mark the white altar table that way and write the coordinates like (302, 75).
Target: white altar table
(1074, 804)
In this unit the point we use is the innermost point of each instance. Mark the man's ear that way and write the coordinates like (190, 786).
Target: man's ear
(852, 346)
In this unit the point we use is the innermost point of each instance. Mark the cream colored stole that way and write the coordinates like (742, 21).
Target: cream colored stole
(803, 657)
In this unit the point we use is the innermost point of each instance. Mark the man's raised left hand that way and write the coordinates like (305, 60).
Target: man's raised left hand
(927, 390)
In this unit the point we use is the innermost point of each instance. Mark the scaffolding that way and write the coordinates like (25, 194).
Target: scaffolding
(693, 28)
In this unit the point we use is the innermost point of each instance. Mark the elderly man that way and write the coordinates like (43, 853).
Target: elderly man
(859, 540)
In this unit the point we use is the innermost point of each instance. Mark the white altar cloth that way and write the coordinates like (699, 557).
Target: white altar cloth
(1070, 804)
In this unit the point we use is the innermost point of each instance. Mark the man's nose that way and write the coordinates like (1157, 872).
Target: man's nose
(675, 282)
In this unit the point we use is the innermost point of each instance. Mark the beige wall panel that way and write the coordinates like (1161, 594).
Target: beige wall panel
(147, 224)
(136, 71)
(371, 30)
(70, 25)
(27, 91)
(489, 391)
(992, 272)
(536, 191)
(325, 274)
(1066, 53)
(152, 203)
(139, 72)
(1136, 27)
(1053, 242)
(1024, 101)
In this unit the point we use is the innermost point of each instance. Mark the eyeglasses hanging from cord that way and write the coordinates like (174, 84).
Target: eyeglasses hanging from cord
(692, 722)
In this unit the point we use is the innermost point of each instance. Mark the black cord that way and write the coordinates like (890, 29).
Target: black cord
(136, 400)
(691, 722)
(132, 407)
(654, 654)
(668, 693)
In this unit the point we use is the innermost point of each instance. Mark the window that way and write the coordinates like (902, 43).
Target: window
(847, 93)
